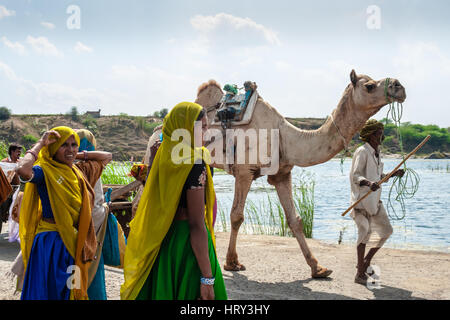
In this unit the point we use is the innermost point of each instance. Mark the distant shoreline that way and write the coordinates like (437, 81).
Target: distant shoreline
(114, 133)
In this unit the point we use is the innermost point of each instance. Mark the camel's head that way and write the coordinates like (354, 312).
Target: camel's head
(371, 95)
(209, 95)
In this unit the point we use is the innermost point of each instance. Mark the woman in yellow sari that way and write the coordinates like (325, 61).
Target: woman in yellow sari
(170, 252)
(57, 237)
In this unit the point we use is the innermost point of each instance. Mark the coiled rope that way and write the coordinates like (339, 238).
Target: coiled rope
(405, 187)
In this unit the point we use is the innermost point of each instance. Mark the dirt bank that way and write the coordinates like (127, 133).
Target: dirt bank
(277, 270)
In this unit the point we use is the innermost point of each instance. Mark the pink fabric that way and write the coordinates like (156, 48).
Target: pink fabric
(214, 212)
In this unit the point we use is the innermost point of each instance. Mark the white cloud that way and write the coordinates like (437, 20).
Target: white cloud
(55, 97)
(15, 46)
(8, 72)
(424, 70)
(81, 48)
(43, 46)
(282, 65)
(150, 88)
(421, 60)
(6, 13)
(234, 28)
(48, 25)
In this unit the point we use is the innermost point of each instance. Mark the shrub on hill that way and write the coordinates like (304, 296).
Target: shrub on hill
(5, 113)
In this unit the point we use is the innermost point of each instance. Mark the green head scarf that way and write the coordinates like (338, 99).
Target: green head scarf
(159, 200)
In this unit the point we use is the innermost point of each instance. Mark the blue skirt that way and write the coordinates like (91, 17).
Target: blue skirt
(47, 270)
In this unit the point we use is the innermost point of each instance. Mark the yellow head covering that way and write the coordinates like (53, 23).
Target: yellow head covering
(161, 195)
(65, 133)
(70, 203)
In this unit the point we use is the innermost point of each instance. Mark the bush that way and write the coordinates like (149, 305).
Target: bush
(149, 127)
(91, 124)
(145, 126)
(29, 140)
(413, 134)
(5, 113)
(3, 149)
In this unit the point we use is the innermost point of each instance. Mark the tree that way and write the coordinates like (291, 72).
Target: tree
(5, 113)
(74, 114)
(156, 114)
(161, 113)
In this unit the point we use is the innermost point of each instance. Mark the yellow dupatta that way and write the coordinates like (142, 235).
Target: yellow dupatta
(159, 200)
(71, 207)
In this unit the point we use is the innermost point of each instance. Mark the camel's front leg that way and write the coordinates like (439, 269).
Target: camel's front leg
(283, 185)
(241, 189)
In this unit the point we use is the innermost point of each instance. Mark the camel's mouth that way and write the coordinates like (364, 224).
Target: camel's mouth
(399, 99)
(396, 92)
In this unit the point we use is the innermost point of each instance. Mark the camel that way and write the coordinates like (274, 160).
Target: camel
(362, 98)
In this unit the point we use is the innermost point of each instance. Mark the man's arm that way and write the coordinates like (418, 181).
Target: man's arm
(359, 169)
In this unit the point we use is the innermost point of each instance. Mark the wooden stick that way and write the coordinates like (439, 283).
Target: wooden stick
(386, 178)
(125, 189)
(122, 205)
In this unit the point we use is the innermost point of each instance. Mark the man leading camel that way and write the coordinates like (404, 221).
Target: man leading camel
(369, 215)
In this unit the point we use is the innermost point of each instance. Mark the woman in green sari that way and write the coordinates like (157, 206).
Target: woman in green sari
(171, 251)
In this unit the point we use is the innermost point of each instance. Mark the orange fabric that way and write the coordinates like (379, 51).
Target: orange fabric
(91, 169)
(5, 187)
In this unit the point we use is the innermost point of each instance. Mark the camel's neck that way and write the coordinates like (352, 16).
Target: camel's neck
(309, 147)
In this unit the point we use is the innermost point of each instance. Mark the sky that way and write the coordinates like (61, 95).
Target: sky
(139, 56)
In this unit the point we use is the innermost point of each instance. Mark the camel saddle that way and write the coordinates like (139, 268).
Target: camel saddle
(236, 108)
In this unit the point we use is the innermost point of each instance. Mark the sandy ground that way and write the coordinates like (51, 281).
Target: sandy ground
(277, 270)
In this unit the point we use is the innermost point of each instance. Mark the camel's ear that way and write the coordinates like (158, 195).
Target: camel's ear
(353, 77)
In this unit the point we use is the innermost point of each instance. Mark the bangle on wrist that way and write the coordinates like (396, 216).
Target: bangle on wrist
(207, 281)
(33, 153)
(85, 153)
(26, 181)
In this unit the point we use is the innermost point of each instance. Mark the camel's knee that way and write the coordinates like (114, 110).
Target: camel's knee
(295, 223)
(236, 219)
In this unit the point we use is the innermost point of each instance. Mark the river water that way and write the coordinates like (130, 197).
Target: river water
(426, 225)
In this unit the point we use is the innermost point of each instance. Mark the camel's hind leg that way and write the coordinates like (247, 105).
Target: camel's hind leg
(242, 187)
(283, 185)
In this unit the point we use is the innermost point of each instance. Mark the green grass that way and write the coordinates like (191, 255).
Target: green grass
(439, 168)
(303, 194)
(3, 149)
(117, 173)
(267, 216)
